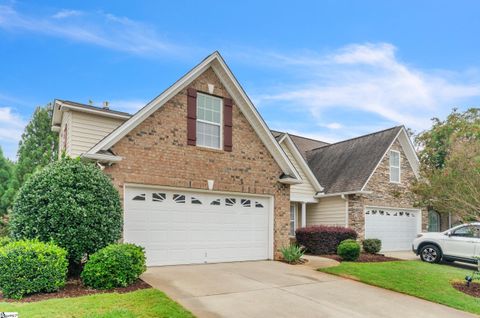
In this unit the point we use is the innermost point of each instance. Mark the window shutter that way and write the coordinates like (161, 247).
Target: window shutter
(191, 116)
(227, 124)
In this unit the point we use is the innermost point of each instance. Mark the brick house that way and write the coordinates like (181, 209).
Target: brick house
(203, 179)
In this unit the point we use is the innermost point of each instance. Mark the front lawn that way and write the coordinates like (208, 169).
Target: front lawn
(139, 304)
(427, 281)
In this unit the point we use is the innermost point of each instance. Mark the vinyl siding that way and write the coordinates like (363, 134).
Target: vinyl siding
(303, 191)
(86, 130)
(66, 121)
(328, 211)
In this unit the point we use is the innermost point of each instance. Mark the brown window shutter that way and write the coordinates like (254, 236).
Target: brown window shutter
(191, 116)
(227, 124)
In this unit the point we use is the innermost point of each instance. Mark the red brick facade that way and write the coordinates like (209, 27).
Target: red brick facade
(156, 153)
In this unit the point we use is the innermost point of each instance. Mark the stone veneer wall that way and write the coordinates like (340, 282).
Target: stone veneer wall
(384, 193)
(156, 153)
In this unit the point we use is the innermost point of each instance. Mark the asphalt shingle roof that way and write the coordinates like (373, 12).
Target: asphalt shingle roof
(303, 144)
(345, 166)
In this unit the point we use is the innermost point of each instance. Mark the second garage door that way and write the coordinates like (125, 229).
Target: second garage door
(185, 227)
(396, 228)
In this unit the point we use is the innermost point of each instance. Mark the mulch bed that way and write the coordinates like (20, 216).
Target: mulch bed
(365, 258)
(473, 290)
(75, 288)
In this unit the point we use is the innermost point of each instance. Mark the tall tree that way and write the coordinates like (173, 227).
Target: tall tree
(450, 164)
(38, 146)
(6, 176)
(436, 143)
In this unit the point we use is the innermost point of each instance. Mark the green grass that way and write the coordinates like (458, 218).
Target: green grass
(139, 304)
(427, 281)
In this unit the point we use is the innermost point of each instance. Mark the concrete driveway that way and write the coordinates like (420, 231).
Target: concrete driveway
(274, 289)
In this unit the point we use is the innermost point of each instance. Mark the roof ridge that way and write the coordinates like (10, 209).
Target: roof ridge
(308, 138)
(93, 106)
(358, 137)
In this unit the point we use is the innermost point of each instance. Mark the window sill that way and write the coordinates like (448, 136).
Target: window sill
(203, 148)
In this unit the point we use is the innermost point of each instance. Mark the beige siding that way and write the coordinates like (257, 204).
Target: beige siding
(303, 191)
(88, 129)
(65, 133)
(328, 211)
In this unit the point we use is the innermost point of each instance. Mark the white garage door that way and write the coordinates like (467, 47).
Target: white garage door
(183, 227)
(397, 228)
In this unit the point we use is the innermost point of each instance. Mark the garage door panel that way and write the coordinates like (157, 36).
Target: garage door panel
(182, 227)
(395, 227)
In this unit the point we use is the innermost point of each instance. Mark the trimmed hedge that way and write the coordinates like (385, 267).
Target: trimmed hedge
(117, 265)
(4, 240)
(28, 267)
(322, 239)
(69, 202)
(349, 250)
(372, 246)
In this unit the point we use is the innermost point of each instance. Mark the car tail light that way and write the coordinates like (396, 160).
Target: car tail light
(419, 235)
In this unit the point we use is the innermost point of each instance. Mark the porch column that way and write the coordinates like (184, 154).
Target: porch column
(304, 214)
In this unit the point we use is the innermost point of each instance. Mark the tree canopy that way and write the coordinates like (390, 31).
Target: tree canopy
(450, 165)
(38, 146)
(6, 176)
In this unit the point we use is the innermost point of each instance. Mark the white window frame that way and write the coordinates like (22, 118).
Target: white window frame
(399, 166)
(295, 211)
(210, 122)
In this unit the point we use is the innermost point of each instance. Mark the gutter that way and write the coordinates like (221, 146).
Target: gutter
(101, 158)
(320, 195)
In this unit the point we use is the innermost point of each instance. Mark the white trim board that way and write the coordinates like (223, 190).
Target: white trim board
(216, 62)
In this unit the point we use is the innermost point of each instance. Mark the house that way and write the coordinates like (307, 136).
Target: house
(203, 179)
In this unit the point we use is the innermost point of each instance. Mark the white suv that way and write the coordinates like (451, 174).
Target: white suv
(461, 243)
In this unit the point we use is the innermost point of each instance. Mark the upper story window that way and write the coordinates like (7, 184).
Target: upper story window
(394, 166)
(209, 119)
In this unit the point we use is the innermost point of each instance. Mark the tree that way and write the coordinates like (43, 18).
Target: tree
(435, 143)
(449, 165)
(6, 176)
(38, 146)
(71, 203)
(456, 187)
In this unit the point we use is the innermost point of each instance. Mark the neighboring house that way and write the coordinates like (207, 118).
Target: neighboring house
(203, 179)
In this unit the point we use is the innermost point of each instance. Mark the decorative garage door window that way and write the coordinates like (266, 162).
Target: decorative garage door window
(159, 197)
(140, 197)
(390, 212)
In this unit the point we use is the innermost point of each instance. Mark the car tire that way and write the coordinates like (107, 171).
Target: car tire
(430, 254)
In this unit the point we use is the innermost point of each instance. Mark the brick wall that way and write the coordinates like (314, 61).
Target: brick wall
(384, 193)
(156, 153)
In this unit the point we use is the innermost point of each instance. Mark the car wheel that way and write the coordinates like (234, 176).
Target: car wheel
(430, 254)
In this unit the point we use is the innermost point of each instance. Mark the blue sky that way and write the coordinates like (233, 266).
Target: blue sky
(325, 69)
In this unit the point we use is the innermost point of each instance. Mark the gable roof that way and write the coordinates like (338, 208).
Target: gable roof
(303, 144)
(233, 87)
(346, 166)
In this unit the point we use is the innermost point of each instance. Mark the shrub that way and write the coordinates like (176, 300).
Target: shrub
(292, 253)
(4, 241)
(28, 267)
(117, 265)
(349, 250)
(323, 239)
(71, 203)
(372, 246)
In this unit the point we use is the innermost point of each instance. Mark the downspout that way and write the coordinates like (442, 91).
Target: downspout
(344, 197)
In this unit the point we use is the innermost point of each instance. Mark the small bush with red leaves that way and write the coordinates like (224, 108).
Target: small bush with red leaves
(322, 239)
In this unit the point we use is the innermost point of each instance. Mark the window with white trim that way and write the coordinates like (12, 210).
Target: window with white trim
(394, 166)
(293, 218)
(209, 121)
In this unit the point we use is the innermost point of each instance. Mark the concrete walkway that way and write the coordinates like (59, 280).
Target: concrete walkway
(275, 289)
(404, 255)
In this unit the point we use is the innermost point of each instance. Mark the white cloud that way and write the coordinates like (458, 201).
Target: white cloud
(371, 79)
(97, 28)
(334, 126)
(66, 13)
(11, 129)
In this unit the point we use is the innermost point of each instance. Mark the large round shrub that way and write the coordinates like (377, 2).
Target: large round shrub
(349, 250)
(372, 246)
(71, 203)
(323, 239)
(28, 267)
(117, 265)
